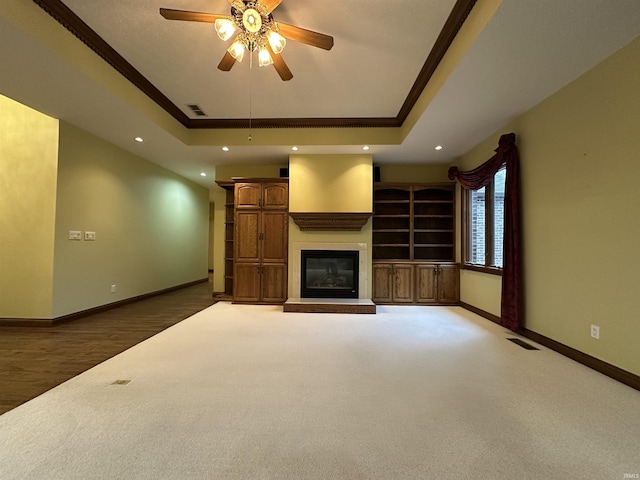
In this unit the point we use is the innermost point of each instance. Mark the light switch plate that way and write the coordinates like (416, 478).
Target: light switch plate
(90, 236)
(75, 235)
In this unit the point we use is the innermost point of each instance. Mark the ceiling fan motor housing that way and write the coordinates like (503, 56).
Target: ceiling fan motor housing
(254, 21)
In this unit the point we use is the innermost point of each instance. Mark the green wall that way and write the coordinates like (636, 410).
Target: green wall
(152, 226)
(580, 169)
(28, 163)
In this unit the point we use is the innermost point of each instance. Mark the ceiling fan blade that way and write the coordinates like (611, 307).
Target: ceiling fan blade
(302, 35)
(227, 62)
(270, 4)
(170, 14)
(280, 66)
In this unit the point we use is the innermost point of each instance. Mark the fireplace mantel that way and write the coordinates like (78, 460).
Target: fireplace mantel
(330, 221)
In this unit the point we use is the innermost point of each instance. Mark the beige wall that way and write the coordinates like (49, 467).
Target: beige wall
(580, 168)
(28, 164)
(330, 183)
(151, 225)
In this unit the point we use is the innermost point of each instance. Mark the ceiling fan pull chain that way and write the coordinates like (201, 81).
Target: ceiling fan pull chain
(250, 91)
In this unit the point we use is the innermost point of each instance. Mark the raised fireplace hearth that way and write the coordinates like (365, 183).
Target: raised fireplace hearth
(329, 273)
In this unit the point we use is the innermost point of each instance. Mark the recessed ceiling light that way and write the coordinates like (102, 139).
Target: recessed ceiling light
(225, 149)
(365, 148)
(203, 174)
(295, 149)
(139, 139)
(439, 147)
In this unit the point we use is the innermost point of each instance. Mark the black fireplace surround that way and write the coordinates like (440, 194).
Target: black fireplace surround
(329, 273)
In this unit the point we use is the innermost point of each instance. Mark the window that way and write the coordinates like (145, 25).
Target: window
(483, 226)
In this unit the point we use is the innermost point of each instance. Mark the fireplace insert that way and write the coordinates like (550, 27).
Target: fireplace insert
(329, 274)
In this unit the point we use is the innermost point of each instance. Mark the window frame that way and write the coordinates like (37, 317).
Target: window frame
(488, 234)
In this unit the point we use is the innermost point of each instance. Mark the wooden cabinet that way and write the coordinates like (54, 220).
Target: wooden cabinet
(393, 283)
(419, 283)
(260, 241)
(267, 196)
(414, 243)
(437, 283)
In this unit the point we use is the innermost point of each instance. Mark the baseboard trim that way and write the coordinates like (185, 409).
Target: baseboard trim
(603, 367)
(622, 376)
(482, 313)
(50, 322)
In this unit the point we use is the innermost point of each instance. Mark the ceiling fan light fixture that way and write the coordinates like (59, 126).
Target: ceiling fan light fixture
(236, 50)
(277, 41)
(251, 20)
(225, 27)
(264, 57)
(251, 23)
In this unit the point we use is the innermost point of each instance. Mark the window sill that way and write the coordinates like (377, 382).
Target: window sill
(482, 268)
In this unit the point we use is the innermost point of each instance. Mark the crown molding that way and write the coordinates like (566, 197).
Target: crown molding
(67, 18)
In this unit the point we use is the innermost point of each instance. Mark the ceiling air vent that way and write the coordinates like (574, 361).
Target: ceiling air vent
(197, 110)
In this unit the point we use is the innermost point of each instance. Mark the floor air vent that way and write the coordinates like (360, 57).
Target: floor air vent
(525, 345)
(120, 382)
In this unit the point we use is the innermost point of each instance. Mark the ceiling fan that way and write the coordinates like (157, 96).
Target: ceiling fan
(257, 31)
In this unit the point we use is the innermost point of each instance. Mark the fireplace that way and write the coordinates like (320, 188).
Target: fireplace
(329, 273)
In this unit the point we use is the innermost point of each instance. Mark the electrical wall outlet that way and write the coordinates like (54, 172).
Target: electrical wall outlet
(113, 289)
(90, 236)
(75, 235)
(595, 331)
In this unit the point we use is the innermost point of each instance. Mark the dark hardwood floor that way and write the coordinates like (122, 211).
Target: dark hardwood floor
(36, 359)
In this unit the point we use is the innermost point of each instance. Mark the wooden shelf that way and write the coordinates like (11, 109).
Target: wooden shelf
(391, 244)
(414, 221)
(330, 221)
(228, 226)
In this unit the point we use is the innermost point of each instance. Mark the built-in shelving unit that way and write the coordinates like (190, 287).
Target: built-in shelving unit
(228, 236)
(414, 243)
(414, 222)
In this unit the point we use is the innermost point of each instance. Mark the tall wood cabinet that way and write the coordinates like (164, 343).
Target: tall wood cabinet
(260, 241)
(414, 244)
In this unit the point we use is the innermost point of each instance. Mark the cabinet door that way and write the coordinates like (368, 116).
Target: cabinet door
(275, 196)
(274, 236)
(248, 195)
(246, 282)
(403, 283)
(274, 283)
(427, 286)
(448, 284)
(382, 283)
(246, 238)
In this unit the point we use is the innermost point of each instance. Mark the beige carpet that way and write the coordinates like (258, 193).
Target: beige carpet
(249, 392)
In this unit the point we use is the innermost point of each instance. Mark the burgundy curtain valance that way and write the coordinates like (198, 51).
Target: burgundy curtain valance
(506, 154)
